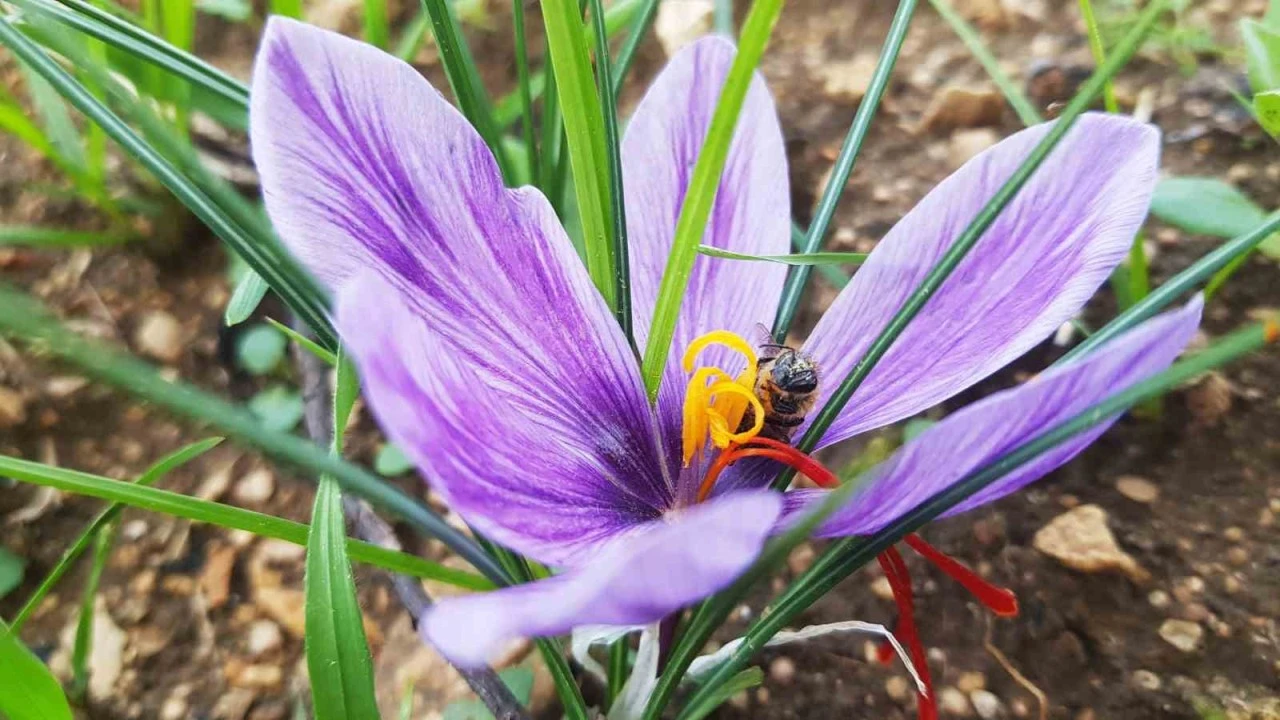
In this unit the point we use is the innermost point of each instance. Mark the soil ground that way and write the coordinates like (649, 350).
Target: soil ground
(204, 623)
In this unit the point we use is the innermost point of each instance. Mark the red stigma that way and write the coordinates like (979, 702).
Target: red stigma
(1000, 601)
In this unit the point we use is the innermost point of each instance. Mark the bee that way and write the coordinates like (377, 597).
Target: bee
(787, 387)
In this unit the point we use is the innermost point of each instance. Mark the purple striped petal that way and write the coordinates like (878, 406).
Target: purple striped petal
(641, 577)
(1036, 266)
(544, 463)
(487, 352)
(986, 430)
(751, 213)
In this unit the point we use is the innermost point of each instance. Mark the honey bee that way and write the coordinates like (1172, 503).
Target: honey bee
(787, 387)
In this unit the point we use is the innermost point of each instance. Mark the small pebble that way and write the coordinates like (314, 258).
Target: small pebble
(1159, 599)
(1238, 556)
(263, 637)
(1137, 489)
(898, 688)
(1231, 584)
(159, 336)
(1233, 534)
(1182, 634)
(985, 703)
(953, 702)
(782, 670)
(1194, 611)
(970, 681)
(256, 487)
(174, 708)
(1145, 680)
(882, 589)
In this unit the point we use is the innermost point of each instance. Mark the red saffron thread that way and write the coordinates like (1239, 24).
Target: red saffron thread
(1001, 601)
(900, 580)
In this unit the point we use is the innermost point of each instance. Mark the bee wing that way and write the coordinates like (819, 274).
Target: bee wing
(763, 340)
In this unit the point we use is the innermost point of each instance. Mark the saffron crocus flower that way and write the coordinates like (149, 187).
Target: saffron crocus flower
(491, 359)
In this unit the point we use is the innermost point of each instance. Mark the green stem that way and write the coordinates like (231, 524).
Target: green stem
(613, 149)
(1099, 53)
(464, 79)
(845, 161)
(525, 90)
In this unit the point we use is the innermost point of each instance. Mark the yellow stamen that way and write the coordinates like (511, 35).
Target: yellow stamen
(716, 410)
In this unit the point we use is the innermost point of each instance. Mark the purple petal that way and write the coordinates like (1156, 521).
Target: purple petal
(640, 578)
(546, 464)
(988, 429)
(1036, 266)
(478, 329)
(751, 213)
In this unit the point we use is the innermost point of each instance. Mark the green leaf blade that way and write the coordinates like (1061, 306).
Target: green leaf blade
(337, 650)
(1205, 206)
(584, 135)
(30, 690)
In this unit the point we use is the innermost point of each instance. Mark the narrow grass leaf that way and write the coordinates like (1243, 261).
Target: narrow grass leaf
(82, 645)
(120, 34)
(799, 259)
(337, 650)
(1021, 105)
(377, 29)
(645, 15)
(44, 237)
(287, 8)
(250, 290)
(848, 554)
(58, 127)
(701, 192)
(305, 342)
(1099, 53)
(30, 691)
(12, 570)
(525, 90)
(23, 318)
(744, 680)
(584, 137)
(616, 18)
(227, 516)
(414, 37)
(162, 467)
(613, 155)
(14, 121)
(843, 167)
(460, 68)
(831, 274)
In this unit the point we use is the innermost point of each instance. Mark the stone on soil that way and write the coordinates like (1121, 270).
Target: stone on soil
(1081, 540)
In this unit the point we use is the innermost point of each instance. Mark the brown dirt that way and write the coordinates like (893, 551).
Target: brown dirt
(186, 595)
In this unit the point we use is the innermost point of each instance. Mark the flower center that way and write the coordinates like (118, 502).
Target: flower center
(714, 402)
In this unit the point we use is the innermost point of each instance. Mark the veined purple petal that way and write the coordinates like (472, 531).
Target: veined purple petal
(751, 213)
(1033, 269)
(644, 575)
(988, 429)
(487, 352)
(547, 466)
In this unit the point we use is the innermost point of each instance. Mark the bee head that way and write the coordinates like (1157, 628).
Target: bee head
(794, 372)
